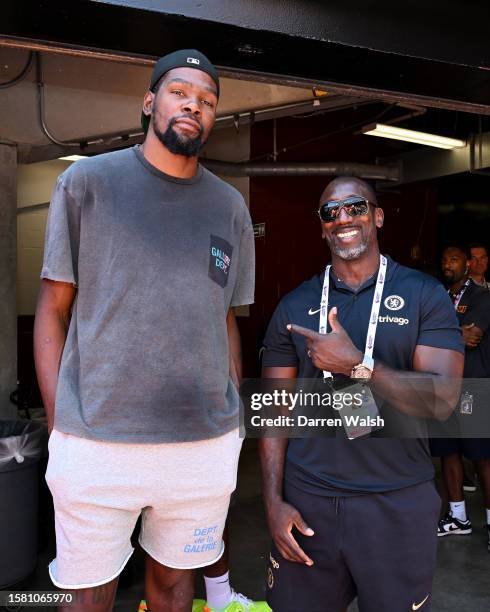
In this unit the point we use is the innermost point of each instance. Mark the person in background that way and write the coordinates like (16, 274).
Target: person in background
(472, 305)
(478, 264)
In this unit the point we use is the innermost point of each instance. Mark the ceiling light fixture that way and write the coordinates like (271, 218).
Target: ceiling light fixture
(397, 133)
(72, 158)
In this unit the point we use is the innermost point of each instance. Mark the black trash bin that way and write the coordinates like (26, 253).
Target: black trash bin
(22, 444)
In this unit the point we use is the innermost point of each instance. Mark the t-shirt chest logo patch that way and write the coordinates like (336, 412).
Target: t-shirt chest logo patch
(461, 309)
(220, 252)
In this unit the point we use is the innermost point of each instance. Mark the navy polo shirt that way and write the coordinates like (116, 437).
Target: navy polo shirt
(474, 307)
(415, 310)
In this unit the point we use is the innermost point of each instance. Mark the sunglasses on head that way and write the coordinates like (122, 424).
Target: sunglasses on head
(354, 206)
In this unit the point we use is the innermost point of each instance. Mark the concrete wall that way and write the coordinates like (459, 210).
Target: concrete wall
(8, 322)
(35, 183)
(229, 145)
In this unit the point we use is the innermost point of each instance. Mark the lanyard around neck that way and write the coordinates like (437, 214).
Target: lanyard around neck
(456, 297)
(373, 318)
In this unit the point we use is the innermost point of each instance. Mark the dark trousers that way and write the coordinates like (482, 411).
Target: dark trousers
(379, 547)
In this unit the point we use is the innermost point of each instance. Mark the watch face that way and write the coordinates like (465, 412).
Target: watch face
(361, 371)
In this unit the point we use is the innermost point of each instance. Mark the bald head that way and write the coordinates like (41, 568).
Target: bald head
(344, 186)
(352, 233)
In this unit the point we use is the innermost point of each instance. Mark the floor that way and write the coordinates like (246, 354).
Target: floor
(462, 581)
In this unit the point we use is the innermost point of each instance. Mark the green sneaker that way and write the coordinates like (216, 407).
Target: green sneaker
(198, 605)
(240, 603)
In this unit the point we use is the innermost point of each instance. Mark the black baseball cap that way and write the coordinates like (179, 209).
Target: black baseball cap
(184, 58)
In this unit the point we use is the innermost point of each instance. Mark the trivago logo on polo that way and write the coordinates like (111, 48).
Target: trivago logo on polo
(396, 320)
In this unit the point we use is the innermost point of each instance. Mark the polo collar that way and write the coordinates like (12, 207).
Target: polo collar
(341, 286)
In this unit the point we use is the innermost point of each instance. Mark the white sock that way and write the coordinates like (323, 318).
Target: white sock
(488, 516)
(458, 510)
(218, 591)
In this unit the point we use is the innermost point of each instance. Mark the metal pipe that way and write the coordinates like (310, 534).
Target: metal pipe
(42, 120)
(368, 171)
(32, 208)
(22, 73)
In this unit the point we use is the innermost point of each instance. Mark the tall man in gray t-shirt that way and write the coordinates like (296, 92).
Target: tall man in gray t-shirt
(137, 349)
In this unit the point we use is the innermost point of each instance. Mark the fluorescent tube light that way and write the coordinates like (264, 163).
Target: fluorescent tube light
(397, 133)
(72, 157)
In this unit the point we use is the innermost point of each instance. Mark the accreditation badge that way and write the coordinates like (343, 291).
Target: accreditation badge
(360, 416)
(466, 403)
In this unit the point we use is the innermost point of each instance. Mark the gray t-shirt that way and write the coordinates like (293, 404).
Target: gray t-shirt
(157, 262)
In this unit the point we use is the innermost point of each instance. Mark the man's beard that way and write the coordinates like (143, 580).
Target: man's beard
(353, 252)
(448, 277)
(176, 144)
(451, 277)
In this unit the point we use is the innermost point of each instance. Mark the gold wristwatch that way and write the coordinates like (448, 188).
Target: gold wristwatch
(363, 370)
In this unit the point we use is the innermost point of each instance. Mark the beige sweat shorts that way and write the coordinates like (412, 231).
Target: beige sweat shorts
(100, 488)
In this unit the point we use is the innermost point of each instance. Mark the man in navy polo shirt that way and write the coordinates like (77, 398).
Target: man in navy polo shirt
(472, 305)
(358, 516)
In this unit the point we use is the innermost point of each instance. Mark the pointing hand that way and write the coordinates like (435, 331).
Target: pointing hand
(335, 351)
